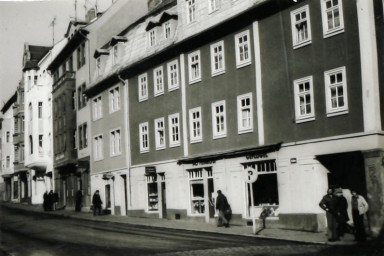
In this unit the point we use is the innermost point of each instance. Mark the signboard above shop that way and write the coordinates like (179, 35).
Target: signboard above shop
(149, 170)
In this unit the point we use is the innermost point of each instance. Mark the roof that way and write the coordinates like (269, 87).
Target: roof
(36, 53)
(9, 103)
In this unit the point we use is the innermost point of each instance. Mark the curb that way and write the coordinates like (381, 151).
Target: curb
(70, 216)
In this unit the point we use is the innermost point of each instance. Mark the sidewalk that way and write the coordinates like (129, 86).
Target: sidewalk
(279, 234)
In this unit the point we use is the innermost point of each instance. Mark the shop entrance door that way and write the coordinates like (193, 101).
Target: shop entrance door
(211, 198)
(64, 192)
(163, 200)
(108, 196)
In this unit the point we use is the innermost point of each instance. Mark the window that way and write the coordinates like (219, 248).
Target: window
(81, 56)
(74, 138)
(213, 5)
(16, 125)
(196, 185)
(152, 37)
(191, 11)
(194, 67)
(73, 100)
(29, 83)
(195, 125)
(30, 144)
(174, 130)
(98, 147)
(35, 80)
(153, 195)
(22, 123)
(114, 99)
(158, 80)
(160, 133)
(333, 21)
(304, 100)
(7, 137)
(336, 91)
(167, 30)
(243, 49)
(83, 136)
(97, 108)
(144, 137)
(219, 125)
(217, 58)
(173, 75)
(115, 142)
(8, 161)
(40, 143)
(30, 111)
(40, 110)
(81, 98)
(98, 66)
(21, 97)
(143, 87)
(22, 153)
(244, 113)
(301, 29)
(114, 55)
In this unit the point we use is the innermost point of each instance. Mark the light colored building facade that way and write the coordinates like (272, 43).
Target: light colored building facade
(218, 87)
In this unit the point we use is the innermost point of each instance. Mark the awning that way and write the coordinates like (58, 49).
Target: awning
(231, 154)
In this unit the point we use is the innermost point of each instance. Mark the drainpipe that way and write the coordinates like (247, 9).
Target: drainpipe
(127, 138)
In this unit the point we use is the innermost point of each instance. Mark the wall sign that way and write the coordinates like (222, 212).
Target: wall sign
(150, 170)
(204, 163)
(256, 156)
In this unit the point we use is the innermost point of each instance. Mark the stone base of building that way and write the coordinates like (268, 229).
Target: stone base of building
(303, 221)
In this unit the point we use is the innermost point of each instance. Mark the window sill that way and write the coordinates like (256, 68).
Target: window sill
(174, 88)
(143, 99)
(218, 72)
(144, 151)
(159, 93)
(243, 64)
(152, 212)
(195, 81)
(95, 119)
(113, 111)
(196, 141)
(174, 145)
(243, 131)
(115, 155)
(337, 113)
(301, 44)
(334, 32)
(160, 148)
(213, 11)
(215, 137)
(305, 119)
(98, 160)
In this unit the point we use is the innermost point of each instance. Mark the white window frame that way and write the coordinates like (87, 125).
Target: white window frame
(167, 28)
(241, 128)
(220, 54)
(213, 5)
(158, 129)
(114, 99)
(246, 61)
(172, 127)
(297, 42)
(98, 153)
(223, 132)
(115, 142)
(158, 81)
(114, 54)
(173, 74)
(194, 75)
(193, 123)
(191, 11)
(338, 110)
(97, 107)
(143, 87)
(328, 32)
(300, 118)
(144, 149)
(152, 37)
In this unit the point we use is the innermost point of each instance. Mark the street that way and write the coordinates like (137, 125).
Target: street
(23, 233)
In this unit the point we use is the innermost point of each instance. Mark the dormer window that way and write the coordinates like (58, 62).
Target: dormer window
(114, 55)
(152, 37)
(191, 11)
(213, 5)
(167, 29)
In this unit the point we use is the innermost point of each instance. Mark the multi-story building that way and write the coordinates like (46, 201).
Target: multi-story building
(2, 184)
(217, 88)
(11, 180)
(18, 141)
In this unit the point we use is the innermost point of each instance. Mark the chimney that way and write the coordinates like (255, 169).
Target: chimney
(91, 14)
(153, 4)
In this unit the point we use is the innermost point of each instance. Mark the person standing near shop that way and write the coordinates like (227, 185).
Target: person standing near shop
(342, 212)
(79, 197)
(222, 205)
(359, 208)
(329, 205)
(96, 201)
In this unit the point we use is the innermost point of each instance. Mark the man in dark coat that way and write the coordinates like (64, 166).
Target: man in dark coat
(96, 201)
(342, 212)
(222, 205)
(45, 201)
(329, 205)
(79, 197)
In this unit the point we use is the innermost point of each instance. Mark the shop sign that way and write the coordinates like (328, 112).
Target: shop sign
(256, 156)
(204, 163)
(150, 170)
(250, 175)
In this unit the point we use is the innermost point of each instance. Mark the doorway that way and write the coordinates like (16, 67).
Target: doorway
(211, 199)
(108, 196)
(163, 200)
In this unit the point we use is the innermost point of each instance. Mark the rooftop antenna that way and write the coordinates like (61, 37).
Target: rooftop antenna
(75, 10)
(53, 23)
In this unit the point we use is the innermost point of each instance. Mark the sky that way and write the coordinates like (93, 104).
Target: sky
(29, 21)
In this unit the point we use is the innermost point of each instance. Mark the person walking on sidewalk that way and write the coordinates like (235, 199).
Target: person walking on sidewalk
(223, 206)
(329, 205)
(359, 208)
(342, 212)
(79, 197)
(96, 201)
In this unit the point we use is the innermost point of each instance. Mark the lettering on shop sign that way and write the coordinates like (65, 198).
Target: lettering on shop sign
(249, 157)
(150, 170)
(203, 163)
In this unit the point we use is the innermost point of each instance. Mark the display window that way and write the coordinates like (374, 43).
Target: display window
(196, 184)
(153, 195)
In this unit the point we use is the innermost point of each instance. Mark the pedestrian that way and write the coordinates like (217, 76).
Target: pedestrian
(50, 200)
(55, 200)
(224, 208)
(342, 212)
(79, 197)
(45, 201)
(359, 208)
(96, 201)
(329, 205)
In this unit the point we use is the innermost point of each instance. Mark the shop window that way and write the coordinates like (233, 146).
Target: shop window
(153, 195)
(15, 189)
(196, 184)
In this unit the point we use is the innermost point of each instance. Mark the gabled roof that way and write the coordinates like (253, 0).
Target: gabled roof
(35, 54)
(73, 24)
(9, 103)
